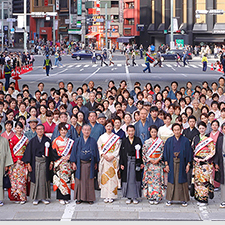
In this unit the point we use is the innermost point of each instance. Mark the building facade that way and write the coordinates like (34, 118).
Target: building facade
(195, 22)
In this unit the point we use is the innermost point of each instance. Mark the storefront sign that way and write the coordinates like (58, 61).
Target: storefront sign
(79, 7)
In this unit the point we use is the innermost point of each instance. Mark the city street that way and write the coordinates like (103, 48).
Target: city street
(79, 72)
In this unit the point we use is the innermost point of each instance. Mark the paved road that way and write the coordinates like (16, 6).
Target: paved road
(83, 71)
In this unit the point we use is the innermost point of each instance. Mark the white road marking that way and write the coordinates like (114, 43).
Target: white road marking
(92, 74)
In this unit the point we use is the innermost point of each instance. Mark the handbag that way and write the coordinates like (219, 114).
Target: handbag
(6, 180)
(192, 189)
(217, 176)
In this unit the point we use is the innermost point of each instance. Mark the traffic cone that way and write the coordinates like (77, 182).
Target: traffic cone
(212, 66)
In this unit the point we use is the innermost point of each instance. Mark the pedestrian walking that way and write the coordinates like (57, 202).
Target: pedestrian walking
(103, 59)
(110, 58)
(178, 59)
(47, 65)
(93, 57)
(141, 49)
(204, 62)
(133, 56)
(7, 71)
(177, 156)
(158, 58)
(147, 63)
(184, 59)
(131, 166)
(127, 58)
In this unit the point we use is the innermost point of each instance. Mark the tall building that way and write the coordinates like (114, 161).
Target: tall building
(195, 22)
(96, 23)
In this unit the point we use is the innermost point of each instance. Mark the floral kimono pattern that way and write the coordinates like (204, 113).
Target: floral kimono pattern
(153, 173)
(18, 172)
(203, 173)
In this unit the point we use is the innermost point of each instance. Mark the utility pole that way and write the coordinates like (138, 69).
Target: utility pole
(25, 25)
(53, 24)
(171, 27)
(2, 26)
(106, 26)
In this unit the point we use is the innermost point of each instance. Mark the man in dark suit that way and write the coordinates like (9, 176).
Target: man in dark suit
(91, 104)
(191, 131)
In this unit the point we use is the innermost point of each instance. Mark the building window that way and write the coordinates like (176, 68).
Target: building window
(129, 21)
(127, 31)
(35, 2)
(114, 4)
(201, 5)
(63, 4)
(129, 5)
(220, 4)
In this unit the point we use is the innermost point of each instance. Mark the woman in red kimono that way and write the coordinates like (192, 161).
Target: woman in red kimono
(18, 171)
(62, 178)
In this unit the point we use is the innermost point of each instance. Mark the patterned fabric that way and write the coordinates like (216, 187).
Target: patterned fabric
(18, 173)
(203, 173)
(108, 176)
(62, 168)
(153, 173)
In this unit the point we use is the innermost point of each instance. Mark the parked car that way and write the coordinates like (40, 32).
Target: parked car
(170, 55)
(84, 54)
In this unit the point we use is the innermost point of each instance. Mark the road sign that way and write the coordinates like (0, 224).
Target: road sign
(46, 2)
(11, 20)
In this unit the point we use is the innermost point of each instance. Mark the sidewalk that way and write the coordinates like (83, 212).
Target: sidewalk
(118, 210)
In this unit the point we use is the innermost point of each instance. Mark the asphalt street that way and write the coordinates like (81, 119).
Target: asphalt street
(83, 71)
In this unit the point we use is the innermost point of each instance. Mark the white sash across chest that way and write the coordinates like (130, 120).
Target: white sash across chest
(68, 147)
(110, 142)
(202, 144)
(19, 144)
(154, 146)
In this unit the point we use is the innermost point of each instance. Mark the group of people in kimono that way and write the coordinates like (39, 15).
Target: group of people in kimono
(148, 149)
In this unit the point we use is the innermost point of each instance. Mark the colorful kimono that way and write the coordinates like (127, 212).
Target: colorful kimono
(18, 171)
(153, 173)
(108, 178)
(49, 128)
(62, 168)
(203, 171)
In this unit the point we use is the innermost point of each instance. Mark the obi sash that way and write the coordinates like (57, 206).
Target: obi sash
(154, 146)
(19, 144)
(110, 142)
(202, 144)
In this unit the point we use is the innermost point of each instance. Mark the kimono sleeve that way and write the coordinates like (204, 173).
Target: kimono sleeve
(96, 152)
(8, 156)
(73, 155)
(189, 151)
(27, 156)
(122, 151)
(166, 151)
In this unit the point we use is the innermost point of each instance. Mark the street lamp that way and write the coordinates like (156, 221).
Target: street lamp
(171, 27)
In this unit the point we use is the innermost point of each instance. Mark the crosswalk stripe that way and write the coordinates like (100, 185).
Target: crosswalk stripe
(194, 66)
(119, 64)
(86, 65)
(95, 65)
(78, 65)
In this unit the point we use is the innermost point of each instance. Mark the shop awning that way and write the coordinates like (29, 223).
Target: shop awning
(219, 28)
(124, 39)
(91, 35)
(113, 35)
(200, 27)
(209, 39)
